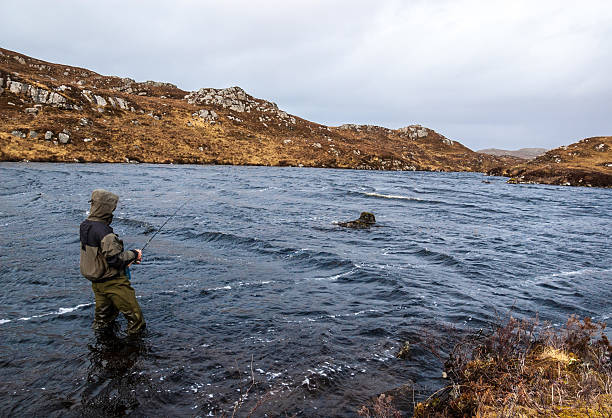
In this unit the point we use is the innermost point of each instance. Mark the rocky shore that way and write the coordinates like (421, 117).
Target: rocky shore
(519, 368)
(584, 163)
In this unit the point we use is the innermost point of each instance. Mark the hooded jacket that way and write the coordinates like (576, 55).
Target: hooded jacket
(102, 253)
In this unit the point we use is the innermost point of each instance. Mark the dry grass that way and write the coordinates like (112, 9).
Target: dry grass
(584, 163)
(522, 369)
(166, 131)
(381, 407)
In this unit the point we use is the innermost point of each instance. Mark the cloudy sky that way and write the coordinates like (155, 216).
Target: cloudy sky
(505, 74)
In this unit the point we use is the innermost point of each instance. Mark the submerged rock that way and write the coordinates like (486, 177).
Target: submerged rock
(366, 220)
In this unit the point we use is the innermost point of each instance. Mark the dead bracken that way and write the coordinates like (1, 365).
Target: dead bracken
(518, 371)
(521, 369)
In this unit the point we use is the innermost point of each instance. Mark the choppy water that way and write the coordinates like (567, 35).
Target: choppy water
(254, 274)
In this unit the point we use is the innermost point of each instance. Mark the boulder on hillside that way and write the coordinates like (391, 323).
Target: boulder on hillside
(64, 137)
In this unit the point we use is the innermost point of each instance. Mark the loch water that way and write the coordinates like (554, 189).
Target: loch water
(254, 282)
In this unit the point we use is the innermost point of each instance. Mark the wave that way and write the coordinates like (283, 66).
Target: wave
(462, 205)
(564, 274)
(416, 199)
(439, 257)
(60, 311)
(332, 278)
(224, 238)
(325, 316)
(148, 227)
(393, 196)
(304, 257)
(237, 285)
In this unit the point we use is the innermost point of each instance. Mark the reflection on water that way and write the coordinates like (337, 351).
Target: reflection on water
(111, 377)
(253, 292)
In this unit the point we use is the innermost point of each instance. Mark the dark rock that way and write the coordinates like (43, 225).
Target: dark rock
(366, 220)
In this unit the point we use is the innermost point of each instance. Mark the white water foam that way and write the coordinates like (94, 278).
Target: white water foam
(60, 311)
(333, 316)
(331, 278)
(239, 284)
(392, 196)
(214, 289)
(561, 274)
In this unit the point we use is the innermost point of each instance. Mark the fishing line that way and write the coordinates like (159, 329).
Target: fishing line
(164, 224)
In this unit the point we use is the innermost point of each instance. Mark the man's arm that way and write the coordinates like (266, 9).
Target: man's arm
(116, 257)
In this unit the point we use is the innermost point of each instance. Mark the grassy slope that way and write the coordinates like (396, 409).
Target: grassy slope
(584, 163)
(159, 128)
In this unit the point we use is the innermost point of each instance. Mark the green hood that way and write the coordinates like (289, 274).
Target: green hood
(103, 203)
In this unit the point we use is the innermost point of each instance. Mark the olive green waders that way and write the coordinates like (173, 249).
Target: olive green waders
(114, 296)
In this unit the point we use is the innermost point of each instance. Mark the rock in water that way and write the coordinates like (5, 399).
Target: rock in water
(366, 220)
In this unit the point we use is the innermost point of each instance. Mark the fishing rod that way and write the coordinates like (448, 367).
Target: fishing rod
(164, 224)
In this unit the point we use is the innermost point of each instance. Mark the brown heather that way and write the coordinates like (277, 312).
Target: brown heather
(159, 126)
(585, 163)
(520, 369)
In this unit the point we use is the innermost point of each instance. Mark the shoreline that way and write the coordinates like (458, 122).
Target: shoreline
(510, 180)
(519, 367)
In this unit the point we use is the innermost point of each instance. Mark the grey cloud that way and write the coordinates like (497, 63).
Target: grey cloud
(487, 73)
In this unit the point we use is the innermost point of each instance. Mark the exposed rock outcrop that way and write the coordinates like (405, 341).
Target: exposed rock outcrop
(237, 100)
(38, 95)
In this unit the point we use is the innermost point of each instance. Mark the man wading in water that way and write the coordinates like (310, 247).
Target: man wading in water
(105, 264)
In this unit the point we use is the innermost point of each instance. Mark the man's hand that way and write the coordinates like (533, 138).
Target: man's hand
(139, 258)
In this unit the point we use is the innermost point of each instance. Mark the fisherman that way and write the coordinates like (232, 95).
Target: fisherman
(105, 263)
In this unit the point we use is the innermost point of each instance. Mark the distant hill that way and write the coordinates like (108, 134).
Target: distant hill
(526, 153)
(584, 163)
(54, 112)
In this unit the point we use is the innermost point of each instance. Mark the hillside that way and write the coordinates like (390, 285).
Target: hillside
(52, 112)
(525, 153)
(584, 163)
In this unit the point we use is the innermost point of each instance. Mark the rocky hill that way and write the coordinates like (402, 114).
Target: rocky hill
(525, 153)
(52, 112)
(584, 163)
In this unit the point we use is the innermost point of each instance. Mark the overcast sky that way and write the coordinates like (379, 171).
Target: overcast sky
(504, 74)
